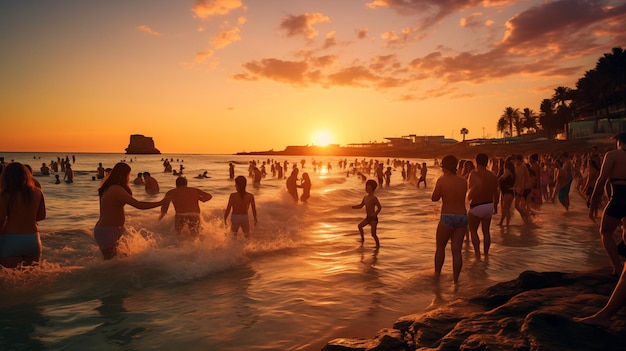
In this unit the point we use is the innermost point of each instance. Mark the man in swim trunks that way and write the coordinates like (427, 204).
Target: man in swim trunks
(185, 200)
(483, 197)
(451, 189)
(240, 202)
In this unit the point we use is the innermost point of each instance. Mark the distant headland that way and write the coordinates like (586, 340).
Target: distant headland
(141, 145)
(437, 150)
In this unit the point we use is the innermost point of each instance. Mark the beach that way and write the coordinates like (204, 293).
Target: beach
(300, 280)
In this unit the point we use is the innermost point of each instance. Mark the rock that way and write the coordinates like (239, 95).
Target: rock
(140, 144)
(532, 312)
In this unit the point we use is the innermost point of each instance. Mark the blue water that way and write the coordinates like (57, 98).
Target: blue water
(300, 280)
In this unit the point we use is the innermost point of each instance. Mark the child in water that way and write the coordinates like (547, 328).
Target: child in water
(372, 209)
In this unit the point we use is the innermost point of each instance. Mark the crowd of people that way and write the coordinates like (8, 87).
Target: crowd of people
(484, 185)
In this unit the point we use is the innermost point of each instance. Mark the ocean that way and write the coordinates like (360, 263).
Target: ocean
(300, 279)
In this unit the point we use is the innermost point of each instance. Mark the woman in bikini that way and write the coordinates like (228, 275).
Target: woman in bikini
(613, 169)
(507, 182)
(21, 206)
(114, 194)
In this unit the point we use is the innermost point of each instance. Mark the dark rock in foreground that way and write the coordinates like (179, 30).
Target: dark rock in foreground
(532, 312)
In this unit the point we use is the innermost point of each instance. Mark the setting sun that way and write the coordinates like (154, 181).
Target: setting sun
(323, 138)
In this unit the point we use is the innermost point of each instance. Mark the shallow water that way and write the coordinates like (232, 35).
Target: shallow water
(300, 280)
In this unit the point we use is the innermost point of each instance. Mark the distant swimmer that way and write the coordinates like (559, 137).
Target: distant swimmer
(372, 209)
(69, 174)
(22, 205)
(423, 172)
(292, 184)
(306, 187)
(185, 200)
(114, 194)
(240, 202)
(100, 171)
(231, 170)
(139, 179)
(151, 184)
(45, 170)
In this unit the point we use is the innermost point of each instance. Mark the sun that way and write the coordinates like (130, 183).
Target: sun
(323, 138)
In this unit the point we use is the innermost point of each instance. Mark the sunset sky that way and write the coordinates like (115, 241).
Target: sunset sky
(223, 76)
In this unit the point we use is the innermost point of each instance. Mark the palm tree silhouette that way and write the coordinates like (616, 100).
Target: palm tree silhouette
(464, 132)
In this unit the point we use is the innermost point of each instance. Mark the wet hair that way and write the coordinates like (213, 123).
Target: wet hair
(240, 185)
(621, 137)
(372, 184)
(449, 162)
(16, 179)
(482, 159)
(118, 176)
(181, 181)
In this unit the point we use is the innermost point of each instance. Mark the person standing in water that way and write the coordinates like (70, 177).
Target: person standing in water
(292, 184)
(372, 209)
(185, 200)
(483, 199)
(22, 205)
(114, 194)
(240, 202)
(450, 189)
(306, 187)
(613, 169)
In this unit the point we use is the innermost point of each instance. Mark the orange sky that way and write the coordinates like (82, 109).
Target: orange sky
(225, 76)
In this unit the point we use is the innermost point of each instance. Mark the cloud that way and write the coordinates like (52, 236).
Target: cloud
(207, 8)
(146, 29)
(296, 25)
(564, 26)
(225, 38)
(330, 40)
(432, 11)
(474, 20)
(400, 40)
(379, 74)
(202, 56)
(292, 72)
(362, 33)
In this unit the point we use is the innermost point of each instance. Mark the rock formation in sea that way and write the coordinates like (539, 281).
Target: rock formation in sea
(140, 144)
(533, 312)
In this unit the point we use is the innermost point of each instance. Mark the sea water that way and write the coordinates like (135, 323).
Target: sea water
(301, 278)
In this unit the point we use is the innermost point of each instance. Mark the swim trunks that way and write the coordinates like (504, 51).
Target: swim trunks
(191, 219)
(240, 221)
(616, 208)
(107, 236)
(564, 191)
(371, 219)
(18, 245)
(454, 220)
(482, 211)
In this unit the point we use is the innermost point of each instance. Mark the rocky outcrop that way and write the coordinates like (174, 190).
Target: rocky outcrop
(140, 144)
(533, 312)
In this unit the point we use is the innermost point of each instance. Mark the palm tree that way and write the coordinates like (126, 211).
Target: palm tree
(529, 120)
(502, 126)
(464, 132)
(511, 118)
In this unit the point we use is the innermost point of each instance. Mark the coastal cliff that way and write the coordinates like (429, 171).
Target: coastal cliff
(532, 312)
(140, 144)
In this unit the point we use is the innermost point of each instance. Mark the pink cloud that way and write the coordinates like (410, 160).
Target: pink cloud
(225, 38)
